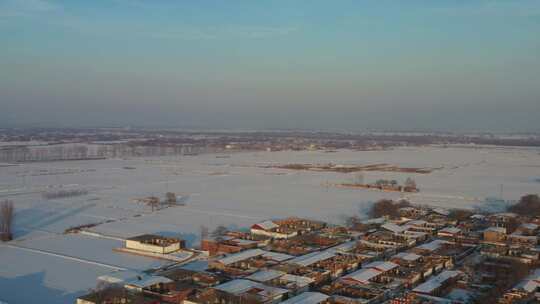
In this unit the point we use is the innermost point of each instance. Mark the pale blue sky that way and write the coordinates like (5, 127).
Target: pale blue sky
(443, 65)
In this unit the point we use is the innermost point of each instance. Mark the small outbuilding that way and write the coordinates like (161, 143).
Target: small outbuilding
(155, 244)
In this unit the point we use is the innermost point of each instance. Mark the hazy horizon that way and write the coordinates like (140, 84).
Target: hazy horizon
(315, 65)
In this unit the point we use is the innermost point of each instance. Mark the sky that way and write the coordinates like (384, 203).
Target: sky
(460, 65)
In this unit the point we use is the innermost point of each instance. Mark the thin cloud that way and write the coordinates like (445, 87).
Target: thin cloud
(495, 9)
(227, 32)
(22, 8)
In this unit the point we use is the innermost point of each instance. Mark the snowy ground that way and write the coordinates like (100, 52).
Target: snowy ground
(235, 191)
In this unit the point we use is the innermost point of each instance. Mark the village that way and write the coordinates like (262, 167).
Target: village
(402, 254)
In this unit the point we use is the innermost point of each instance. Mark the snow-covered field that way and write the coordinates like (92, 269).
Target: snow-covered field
(235, 191)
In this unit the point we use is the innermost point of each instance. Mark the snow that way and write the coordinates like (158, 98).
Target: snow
(265, 275)
(394, 228)
(307, 298)
(198, 266)
(240, 286)
(459, 294)
(92, 249)
(529, 226)
(276, 256)
(363, 275)
(300, 281)
(406, 256)
(267, 225)
(432, 246)
(450, 230)
(496, 229)
(312, 258)
(435, 282)
(343, 248)
(149, 281)
(383, 266)
(119, 276)
(48, 279)
(247, 194)
(531, 282)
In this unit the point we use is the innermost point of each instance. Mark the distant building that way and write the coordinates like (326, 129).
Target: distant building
(308, 298)
(250, 289)
(450, 232)
(114, 295)
(248, 261)
(436, 284)
(527, 291)
(495, 234)
(227, 245)
(286, 228)
(155, 244)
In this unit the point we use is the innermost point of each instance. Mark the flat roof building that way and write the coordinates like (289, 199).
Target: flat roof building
(155, 244)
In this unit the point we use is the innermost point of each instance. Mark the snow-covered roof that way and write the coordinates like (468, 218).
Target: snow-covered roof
(529, 226)
(150, 281)
(528, 286)
(265, 275)
(343, 248)
(307, 298)
(393, 227)
(460, 294)
(198, 265)
(447, 274)
(276, 256)
(241, 256)
(406, 256)
(299, 280)
(451, 230)
(478, 216)
(379, 220)
(266, 225)
(243, 242)
(506, 214)
(414, 234)
(237, 286)
(531, 283)
(248, 254)
(435, 282)
(312, 258)
(427, 287)
(240, 286)
(383, 266)
(496, 229)
(363, 275)
(517, 235)
(432, 246)
(417, 223)
(441, 211)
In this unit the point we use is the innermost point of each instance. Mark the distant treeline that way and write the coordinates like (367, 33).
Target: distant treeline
(528, 205)
(64, 193)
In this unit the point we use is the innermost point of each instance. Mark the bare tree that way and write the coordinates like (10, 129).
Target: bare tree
(528, 205)
(171, 198)
(384, 207)
(204, 232)
(219, 232)
(153, 202)
(351, 221)
(7, 214)
(410, 184)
